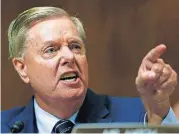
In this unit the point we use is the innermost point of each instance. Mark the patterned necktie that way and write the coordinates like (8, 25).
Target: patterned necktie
(63, 126)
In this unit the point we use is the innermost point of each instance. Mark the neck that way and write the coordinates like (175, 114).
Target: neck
(62, 109)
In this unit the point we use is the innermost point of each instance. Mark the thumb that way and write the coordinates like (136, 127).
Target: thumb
(144, 78)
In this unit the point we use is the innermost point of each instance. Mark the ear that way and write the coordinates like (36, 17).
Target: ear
(21, 68)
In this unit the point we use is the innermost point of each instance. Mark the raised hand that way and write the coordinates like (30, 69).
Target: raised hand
(155, 82)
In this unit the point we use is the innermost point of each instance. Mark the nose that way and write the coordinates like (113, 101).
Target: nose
(66, 56)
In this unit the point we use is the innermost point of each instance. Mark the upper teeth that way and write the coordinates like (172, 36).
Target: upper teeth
(68, 75)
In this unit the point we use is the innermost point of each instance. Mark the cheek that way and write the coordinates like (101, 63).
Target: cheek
(83, 66)
(41, 67)
(42, 78)
(41, 71)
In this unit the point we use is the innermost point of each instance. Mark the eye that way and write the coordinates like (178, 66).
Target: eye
(50, 50)
(75, 47)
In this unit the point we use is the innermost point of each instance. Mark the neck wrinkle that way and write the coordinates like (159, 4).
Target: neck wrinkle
(60, 109)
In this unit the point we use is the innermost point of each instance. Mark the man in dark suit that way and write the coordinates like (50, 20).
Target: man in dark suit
(48, 52)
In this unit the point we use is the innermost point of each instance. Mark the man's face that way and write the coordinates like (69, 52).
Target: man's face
(55, 60)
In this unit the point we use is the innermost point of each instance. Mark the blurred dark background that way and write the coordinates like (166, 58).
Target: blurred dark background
(119, 34)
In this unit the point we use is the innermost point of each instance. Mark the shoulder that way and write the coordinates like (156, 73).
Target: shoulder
(126, 101)
(113, 101)
(8, 115)
(123, 109)
(126, 108)
(116, 103)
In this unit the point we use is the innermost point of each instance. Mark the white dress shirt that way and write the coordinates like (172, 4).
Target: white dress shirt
(46, 121)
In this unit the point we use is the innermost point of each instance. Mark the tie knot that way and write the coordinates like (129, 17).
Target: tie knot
(63, 126)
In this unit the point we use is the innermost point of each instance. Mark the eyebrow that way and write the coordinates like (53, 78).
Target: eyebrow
(48, 43)
(75, 39)
(70, 39)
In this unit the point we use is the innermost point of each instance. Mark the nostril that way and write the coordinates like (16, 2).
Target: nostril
(67, 61)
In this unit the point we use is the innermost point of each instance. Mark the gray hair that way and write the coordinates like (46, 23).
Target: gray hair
(17, 32)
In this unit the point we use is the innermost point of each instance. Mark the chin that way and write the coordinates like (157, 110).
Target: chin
(72, 94)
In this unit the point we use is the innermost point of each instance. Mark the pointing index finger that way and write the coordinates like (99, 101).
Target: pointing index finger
(155, 53)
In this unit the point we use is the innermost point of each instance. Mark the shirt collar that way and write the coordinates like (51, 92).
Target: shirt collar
(46, 121)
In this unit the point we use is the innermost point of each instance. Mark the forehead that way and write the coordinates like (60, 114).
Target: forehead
(50, 29)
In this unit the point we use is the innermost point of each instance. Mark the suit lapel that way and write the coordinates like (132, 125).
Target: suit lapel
(27, 116)
(94, 109)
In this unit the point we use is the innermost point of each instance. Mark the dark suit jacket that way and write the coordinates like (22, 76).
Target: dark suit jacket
(96, 108)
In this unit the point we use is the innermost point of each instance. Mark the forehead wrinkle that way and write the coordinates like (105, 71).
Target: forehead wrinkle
(50, 33)
(60, 40)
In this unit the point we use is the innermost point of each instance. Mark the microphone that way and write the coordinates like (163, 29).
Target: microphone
(17, 127)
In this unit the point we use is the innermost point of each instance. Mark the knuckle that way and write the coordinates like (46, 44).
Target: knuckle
(160, 61)
(174, 73)
(168, 66)
(157, 67)
(172, 81)
(166, 71)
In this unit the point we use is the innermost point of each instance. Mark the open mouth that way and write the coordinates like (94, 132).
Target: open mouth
(69, 76)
